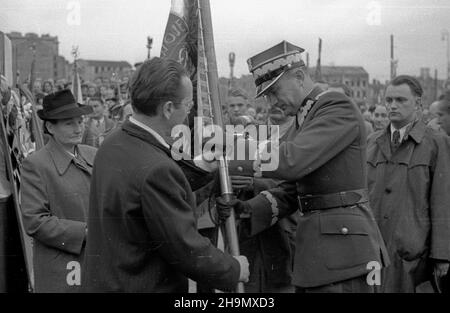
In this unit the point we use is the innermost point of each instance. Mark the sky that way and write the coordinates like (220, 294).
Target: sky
(354, 32)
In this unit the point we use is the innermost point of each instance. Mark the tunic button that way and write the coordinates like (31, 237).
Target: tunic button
(344, 230)
(388, 190)
(240, 169)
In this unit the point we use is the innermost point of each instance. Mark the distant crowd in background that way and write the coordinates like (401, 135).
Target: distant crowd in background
(111, 102)
(109, 99)
(246, 111)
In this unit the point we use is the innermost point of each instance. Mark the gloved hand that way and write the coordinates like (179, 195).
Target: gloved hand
(224, 208)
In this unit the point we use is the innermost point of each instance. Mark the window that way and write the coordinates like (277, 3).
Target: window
(358, 94)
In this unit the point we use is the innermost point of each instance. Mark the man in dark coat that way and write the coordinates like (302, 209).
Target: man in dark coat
(409, 185)
(142, 229)
(322, 160)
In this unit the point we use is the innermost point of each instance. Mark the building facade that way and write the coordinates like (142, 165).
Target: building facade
(355, 77)
(90, 70)
(45, 48)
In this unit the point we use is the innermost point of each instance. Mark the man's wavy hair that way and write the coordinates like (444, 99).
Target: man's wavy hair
(155, 82)
(412, 82)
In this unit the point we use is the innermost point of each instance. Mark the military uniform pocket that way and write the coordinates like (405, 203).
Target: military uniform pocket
(344, 240)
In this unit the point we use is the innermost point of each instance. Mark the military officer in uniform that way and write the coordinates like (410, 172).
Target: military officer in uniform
(322, 161)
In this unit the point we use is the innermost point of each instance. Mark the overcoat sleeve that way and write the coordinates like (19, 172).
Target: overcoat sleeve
(440, 202)
(39, 222)
(173, 229)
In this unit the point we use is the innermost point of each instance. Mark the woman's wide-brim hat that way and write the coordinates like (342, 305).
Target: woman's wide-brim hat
(62, 105)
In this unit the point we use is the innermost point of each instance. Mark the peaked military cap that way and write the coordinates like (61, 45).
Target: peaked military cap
(270, 65)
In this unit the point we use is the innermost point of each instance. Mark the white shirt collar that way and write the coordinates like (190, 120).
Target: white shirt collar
(151, 131)
(401, 130)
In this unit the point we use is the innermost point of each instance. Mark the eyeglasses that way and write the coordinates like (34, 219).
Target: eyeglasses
(383, 115)
(189, 104)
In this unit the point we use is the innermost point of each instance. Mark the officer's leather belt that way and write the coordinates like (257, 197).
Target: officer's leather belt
(333, 200)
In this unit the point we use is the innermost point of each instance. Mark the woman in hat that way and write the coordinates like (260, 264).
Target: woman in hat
(55, 195)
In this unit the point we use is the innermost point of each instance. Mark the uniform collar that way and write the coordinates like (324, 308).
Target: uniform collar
(312, 95)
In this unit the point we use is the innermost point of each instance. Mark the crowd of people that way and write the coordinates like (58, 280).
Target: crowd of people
(356, 189)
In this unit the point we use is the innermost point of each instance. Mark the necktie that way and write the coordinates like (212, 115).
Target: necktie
(396, 139)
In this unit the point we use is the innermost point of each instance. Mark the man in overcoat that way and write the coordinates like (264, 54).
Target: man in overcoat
(409, 185)
(322, 161)
(55, 195)
(143, 233)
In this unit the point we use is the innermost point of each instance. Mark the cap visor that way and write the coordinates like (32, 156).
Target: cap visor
(262, 89)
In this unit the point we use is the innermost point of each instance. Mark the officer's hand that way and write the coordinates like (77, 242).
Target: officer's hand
(245, 272)
(224, 208)
(241, 182)
(441, 269)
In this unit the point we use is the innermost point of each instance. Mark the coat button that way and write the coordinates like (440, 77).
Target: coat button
(344, 230)
(388, 190)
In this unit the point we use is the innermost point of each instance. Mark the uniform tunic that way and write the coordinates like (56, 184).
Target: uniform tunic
(324, 155)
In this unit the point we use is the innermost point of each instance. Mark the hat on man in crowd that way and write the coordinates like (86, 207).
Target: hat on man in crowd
(62, 105)
(270, 65)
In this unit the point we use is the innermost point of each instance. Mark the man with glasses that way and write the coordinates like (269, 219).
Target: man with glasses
(142, 229)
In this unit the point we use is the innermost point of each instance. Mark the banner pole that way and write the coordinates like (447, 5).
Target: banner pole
(213, 78)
